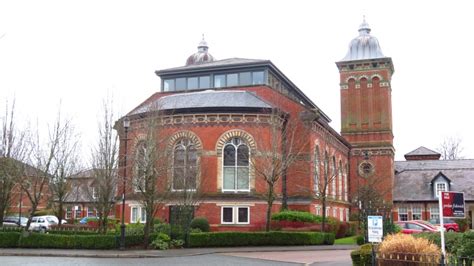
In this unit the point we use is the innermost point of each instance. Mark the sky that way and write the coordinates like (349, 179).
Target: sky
(78, 53)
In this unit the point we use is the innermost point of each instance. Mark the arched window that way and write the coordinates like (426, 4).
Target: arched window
(346, 182)
(142, 163)
(333, 176)
(327, 178)
(339, 181)
(236, 165)
(316, 170)
(184, 165)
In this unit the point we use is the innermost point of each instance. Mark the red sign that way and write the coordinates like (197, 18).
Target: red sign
(452, 204)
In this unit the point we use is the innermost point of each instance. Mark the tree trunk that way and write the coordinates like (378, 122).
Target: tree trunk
(269, 207)
(146, 231)
(60, 214)
(323, 224)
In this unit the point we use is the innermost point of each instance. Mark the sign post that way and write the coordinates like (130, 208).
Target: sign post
(451, 205)
(374, 232)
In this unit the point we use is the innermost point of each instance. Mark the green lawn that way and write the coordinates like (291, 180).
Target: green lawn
(351, 240)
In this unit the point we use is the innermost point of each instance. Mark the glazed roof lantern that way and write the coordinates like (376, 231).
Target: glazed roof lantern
(364, 46)
(201, 56)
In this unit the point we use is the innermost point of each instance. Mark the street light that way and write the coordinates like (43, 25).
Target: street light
(126, 125)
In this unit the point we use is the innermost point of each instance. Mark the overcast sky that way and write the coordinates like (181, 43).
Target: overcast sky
(78, 52)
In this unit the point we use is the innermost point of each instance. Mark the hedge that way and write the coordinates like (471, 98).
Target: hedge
(39, 240)
(9, 239)
(274, 238)
(452, 240)
(362, 256)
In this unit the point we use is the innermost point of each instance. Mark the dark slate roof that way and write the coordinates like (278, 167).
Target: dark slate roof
(214, 64)
(413, 178)
(204, 99)
(422, 151)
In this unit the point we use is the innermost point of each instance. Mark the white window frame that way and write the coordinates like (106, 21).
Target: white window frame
(347, 214)
(405, 213)
(236, 167)
(436, 190)
(89, 209)
(139, 214)
(197, 162)
(334, 212)
(420, 213)
(327, 211)
(341, 214)
(235, 214)
(434, 210)
(68, 214)
(318, 210)
(77, 209)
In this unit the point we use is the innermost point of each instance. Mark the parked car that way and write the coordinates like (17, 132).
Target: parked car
(449, 224)
(55, 219)
(42, 223)
(85, 220)
(15, 221)
(417, 226)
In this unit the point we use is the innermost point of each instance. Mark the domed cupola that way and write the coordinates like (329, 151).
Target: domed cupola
(201, 56)
(364, 46)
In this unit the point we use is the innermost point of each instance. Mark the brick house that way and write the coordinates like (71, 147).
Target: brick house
(419, 179)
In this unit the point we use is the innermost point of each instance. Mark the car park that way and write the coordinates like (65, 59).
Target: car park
(417, 226)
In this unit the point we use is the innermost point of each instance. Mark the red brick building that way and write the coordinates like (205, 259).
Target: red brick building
(216, 114)
(216, 110)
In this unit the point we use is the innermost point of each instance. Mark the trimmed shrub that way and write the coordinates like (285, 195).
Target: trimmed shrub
(360, 240)
(200, 223)
(362, 256)
(452, 240)
(162, 241)
(9, 239)
(467, 245)
(274, 238)
(296, 216)
(36, 240)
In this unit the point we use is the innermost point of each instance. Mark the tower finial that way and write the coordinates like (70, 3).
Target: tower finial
(364, 27)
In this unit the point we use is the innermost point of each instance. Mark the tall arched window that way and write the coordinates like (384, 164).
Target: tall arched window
(339, 182)
(184, 165)
(333, 176)
(316, 169)
(327, 178)
(346, 182)
(236, 165)
(141, 165)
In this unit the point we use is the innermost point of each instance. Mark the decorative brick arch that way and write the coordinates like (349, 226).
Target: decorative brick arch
(185, 134)
(376, 76)
(351, 77)
(235, 133)
(363, 76)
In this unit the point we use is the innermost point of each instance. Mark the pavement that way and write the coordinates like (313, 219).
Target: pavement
(135, 253)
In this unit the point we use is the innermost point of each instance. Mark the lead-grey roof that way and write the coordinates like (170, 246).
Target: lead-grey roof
(422, 151)
(413, 178)
(364, 46)
(216, 63)
(204, 99)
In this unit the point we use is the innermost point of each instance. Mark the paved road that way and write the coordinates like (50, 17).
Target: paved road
(207, 260)
(327, 257)
(282, 258)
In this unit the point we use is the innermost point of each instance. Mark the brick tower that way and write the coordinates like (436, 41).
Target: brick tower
(366, 113)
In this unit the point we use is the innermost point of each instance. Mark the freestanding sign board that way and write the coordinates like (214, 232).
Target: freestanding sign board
(375, 228)
(452, 204)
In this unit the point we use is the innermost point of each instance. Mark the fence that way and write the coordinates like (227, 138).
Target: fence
(409, 259)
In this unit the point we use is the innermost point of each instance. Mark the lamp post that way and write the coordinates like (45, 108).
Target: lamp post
(126, 125)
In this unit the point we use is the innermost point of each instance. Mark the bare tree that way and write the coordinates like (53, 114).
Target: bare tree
(104, 164)
(327, 177)
(36, 183)
(13, 150)
(451, 148)
(150, 164)
(281, 143)
(65, 163)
